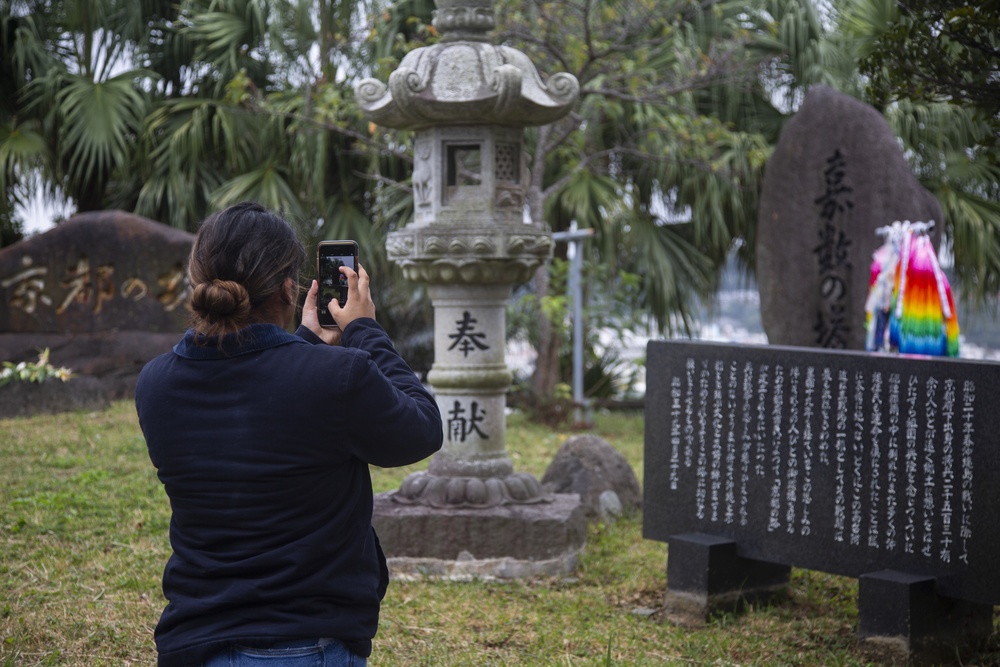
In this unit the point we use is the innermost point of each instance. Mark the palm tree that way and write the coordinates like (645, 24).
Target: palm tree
(951, 141)
(648, 160)
(681, 104)
(76, 98)
(951, 147)
(173, 109)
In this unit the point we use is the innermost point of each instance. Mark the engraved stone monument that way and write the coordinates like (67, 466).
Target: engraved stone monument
(105, 292)
(468, 101)
(884, 468)
(835, 177)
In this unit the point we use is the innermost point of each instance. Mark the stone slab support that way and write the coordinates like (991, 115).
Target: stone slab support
(705, 574)
(903, 620)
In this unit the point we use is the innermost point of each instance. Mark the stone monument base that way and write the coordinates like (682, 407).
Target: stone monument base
(105, 367)
(902, 620)
(25, 399)
(705, 575)
(506, 541)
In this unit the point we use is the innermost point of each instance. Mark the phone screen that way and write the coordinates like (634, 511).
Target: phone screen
(330, 256)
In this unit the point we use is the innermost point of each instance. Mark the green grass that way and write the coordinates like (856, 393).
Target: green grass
(83, 540)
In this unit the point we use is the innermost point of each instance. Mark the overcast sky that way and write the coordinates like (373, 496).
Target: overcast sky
(38, 214)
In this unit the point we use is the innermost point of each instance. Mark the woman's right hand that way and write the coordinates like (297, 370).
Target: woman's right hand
(359, 299)
(310, 318)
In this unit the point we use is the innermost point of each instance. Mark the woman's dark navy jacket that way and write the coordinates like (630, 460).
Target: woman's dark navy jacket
(263, 449)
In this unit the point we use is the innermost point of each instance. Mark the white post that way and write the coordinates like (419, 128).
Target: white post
(581, 411)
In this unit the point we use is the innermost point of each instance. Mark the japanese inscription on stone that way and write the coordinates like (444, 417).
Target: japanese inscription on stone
(467, 419)
(836, 461)
(90, 287)
(832, 255)
(466, 338)
(103, 270)
(464, 422)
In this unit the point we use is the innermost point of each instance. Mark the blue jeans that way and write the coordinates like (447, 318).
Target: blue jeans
(314, 653)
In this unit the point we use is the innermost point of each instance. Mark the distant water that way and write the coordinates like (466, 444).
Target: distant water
(734, 319)
(730, 333)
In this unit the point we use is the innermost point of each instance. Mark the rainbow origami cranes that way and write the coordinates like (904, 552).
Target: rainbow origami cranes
(910, 308)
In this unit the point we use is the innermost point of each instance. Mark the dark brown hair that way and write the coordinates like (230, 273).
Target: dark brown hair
(240, 259)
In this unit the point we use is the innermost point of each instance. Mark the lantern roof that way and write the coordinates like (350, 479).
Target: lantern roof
(465, 79)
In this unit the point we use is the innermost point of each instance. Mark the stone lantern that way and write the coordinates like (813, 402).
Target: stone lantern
(467, 102)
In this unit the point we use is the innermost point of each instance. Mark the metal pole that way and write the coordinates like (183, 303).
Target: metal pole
(581, 410)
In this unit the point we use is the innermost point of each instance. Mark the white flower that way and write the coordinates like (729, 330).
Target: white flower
(33, 372)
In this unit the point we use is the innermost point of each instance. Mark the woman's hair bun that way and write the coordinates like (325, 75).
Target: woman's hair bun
(221, 301)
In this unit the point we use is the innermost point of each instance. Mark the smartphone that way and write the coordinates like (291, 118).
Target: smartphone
(330, 256)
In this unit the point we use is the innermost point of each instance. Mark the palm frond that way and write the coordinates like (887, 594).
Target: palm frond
(98, 121)
(676, 274)
(864, 21)
(266, 185)
(587, 197)
(974, 222)
(22, 150)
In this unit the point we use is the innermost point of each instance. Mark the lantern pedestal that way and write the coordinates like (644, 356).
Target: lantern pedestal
(504, 542)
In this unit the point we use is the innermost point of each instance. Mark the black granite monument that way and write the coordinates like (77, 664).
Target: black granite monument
(880, 467)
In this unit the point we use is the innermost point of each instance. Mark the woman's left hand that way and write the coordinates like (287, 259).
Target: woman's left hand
(310, 318)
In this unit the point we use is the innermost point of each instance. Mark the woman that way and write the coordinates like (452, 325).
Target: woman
(262, 440)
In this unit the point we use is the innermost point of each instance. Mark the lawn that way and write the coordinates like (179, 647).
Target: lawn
(83, 539)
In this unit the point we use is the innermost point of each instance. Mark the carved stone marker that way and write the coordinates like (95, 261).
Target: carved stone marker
(836, 175)
(97, 271)
(880, 467)
(105, 291)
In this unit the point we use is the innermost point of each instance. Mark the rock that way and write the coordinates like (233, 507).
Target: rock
(610, 505)
(105, 292)
(98, 271)
(592, 467)
(836, 175)
(52, 396)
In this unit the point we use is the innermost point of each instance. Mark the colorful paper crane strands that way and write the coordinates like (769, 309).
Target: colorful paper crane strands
(910, 308)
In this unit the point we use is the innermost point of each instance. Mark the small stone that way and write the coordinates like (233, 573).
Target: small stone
(610, 504)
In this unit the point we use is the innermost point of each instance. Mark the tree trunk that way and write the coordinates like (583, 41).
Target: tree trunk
(546, 374)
